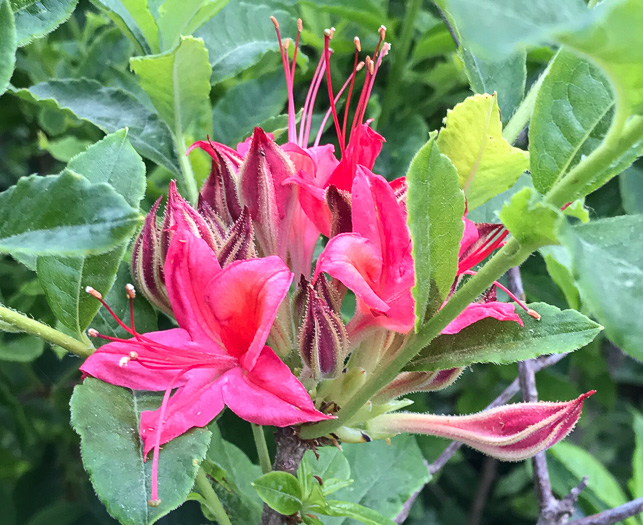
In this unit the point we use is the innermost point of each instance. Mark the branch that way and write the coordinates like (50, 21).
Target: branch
(489, 473)
(631, 508)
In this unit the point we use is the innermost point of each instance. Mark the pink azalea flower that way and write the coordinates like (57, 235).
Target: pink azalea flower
(218, 355)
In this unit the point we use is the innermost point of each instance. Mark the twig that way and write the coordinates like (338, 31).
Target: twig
(408, 504)
(489, 473)
(631, 508)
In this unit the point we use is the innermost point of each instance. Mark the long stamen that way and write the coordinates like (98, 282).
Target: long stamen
(130, 291)
(328, 34)
(358, 48)
(318, 83)
(310, 97)
(300, 28)
(97, 295)
(532, 313)
(373, 74)
(292, 128)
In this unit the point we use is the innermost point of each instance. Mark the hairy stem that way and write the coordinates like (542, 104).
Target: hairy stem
(262, 448)
(512, 254)
(31, 326)
(211, 499)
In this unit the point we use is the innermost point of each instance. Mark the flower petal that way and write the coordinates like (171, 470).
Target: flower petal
(243, 300)
(477, 311)
(269, 394)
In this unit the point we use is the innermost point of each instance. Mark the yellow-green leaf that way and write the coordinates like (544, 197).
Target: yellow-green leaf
(472, 138)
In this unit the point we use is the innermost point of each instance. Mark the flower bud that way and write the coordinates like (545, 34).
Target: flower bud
(239, 241)
(323, 341)
(262, 190)
(409, 382)
(511, 432)
(339, 203)
(147, 262)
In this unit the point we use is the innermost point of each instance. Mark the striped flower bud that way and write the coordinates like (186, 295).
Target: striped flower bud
(339, 204)
(511, 432)
(409, 382)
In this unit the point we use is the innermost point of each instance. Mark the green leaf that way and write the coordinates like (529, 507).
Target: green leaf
(504, 342)
(247, 105)
(58, 513)
(280, 491)
(64, 148)
(235, 476)
(331, 463)
(506, 77)
(600, 482)
(435, 207)
(356, 512)
(240, 35)
(367, 13)
(110, 109)
(636, 482)
(530, 220)
(177, 82)
(144, 314)
(63, 214)
(21, 348)
(472, 138)
(573, 110)
(607, 256)
(490, 210)
(112, 161)
(36, 18)
(8, 44)
(183, 17)
(107, 418)
(631, 182)
(133, 17)
(384, 476)
(559, 267)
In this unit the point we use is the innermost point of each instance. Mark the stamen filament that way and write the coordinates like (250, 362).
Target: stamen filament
(358, 47)
(328, 34)
(307, 113)
(292, 131)
(327, 116)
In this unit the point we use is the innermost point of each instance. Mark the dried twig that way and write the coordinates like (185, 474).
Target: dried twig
(631, 508)
(489, 473)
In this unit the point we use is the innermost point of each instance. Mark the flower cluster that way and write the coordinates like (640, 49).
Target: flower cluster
(224, 270)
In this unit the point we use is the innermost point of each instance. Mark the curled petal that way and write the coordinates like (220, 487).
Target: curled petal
(477, 311)
(511, 432)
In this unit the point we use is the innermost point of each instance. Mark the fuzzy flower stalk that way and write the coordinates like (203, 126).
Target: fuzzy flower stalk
(224, 270)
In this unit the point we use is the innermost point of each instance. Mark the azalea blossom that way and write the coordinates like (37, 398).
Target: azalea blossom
(218, 355)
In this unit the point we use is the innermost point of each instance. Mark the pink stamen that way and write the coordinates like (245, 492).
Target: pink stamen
(328, 34)
(373, 74)
(311, 96)
(300, 28)
(532, 313)
(327, 116)
(358, 48)
(292, 128)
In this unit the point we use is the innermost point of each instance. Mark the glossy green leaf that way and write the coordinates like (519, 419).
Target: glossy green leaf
(472, 139)
(530, 220)
(573, 110)
(435, 206)
(183, 17)
(110, 109)
(21, 348)
(8, 44)
(607, 255)
(247, 105)
(600, 483)
(636, 482)
(107, 418)
(112, 161)
(36, 18)
(280, 491)
(356, 512)
(134, 18)
(384, 475)
(177, 82)
(240, 35)
(506, 77)
(63, 214)
(234, 474)
(504, 342)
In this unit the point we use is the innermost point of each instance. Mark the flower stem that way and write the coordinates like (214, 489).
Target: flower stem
(262, 448)
(53, 336)
(187, 175)
(512, 254)
(211, 499)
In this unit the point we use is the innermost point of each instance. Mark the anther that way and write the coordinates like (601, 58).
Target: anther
(276, 24)
(93, 293)
(287, 43)
(133, 355)
(534, 314)
(382, 32)
(92, 332)
(122, 362)
(370, 65)
(130, 291)
(300, 25)
(359, 67)
(156, 502)
(385, 49)
(358, 44)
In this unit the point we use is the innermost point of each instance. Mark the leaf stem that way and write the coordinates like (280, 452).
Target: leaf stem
(522, 115)
(53, 336)
(262, 448)
(211, 499)
(188, 179)
(512, 254)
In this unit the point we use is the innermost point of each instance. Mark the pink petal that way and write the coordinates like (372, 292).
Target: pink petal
(190, 266)
(108, 363)
(269, 394)
(477, 311)
(313, 201)
(195, 404)
(243, 300)
(357, 263)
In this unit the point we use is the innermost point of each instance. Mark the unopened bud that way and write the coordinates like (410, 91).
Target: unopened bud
(409, 382)
(239, 241)
(339, 204)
